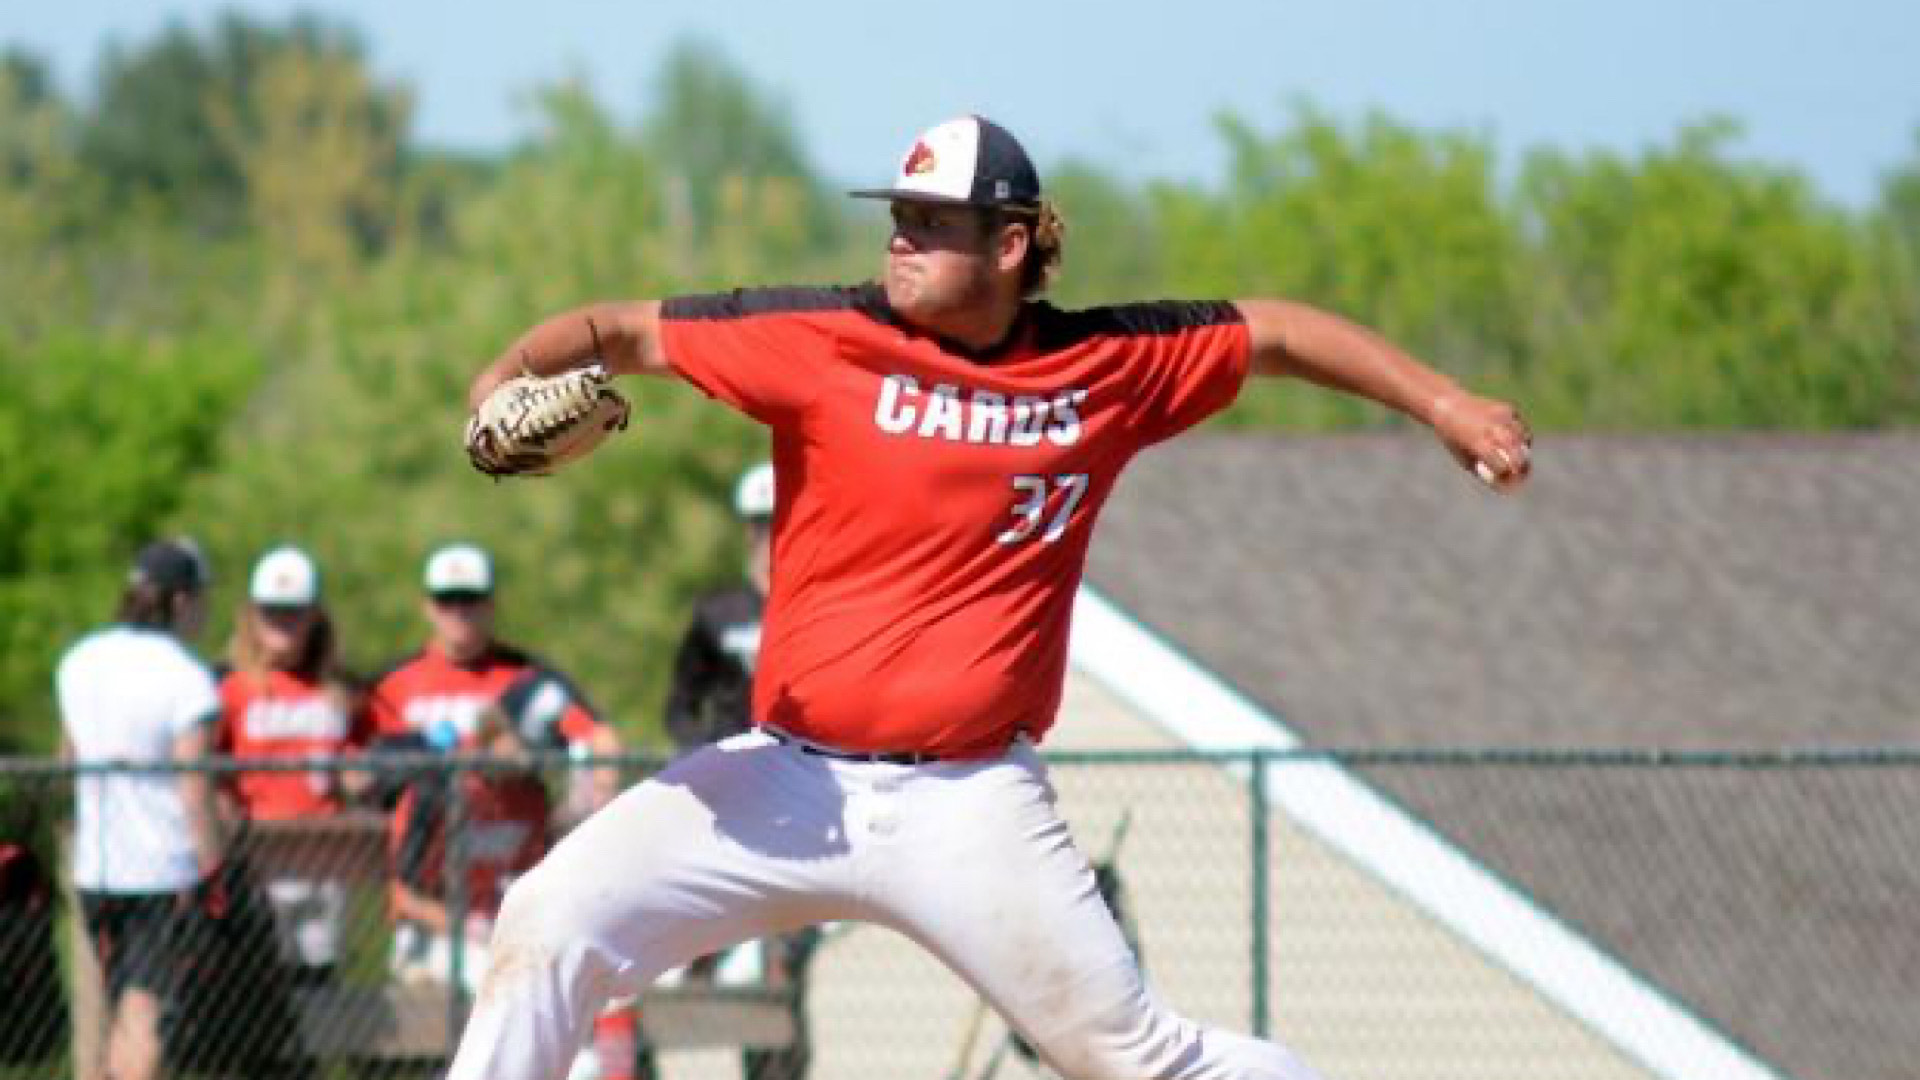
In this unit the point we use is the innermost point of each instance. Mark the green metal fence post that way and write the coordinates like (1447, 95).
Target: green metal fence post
(456, 854)
(1257, 810)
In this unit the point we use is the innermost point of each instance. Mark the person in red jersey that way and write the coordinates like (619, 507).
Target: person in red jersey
(284, 695)
(505, 820)
(506, 816)
(439, 694)
(943, 442)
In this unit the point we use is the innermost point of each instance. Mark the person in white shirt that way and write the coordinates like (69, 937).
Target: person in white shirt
(147, 845)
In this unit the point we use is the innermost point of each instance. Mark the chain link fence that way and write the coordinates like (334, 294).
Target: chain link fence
(1552, 916)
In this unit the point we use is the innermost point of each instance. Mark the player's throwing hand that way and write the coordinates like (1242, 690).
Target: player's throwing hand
(1487, 437)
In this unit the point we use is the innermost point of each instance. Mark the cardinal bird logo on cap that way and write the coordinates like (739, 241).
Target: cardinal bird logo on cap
(920, 160)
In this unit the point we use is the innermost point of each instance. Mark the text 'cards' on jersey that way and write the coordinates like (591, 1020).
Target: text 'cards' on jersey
(984, 417)
(460, 712)
(308, 718)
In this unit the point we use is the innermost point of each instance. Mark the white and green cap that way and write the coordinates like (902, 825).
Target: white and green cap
(285, 577)
(753, 494)
(459, 568)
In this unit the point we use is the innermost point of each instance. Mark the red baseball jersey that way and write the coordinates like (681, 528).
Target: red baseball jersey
(281, 714)
(505, 817)
(428, 688)
(934, 505)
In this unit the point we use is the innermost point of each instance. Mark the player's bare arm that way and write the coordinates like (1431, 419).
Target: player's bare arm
(622, 337)
(606, 784)
(411, 905)
(198, 796)
(1483, 434)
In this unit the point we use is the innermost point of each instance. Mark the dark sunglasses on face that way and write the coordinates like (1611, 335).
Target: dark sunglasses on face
(460, 599)
(285, 612)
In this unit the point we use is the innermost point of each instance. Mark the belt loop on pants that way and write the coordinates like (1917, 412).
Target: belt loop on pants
(884, 757)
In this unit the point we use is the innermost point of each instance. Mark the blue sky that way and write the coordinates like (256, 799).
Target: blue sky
(1832, 89)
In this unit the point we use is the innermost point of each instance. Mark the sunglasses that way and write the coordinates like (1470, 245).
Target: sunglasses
(460, 599)
(284, 612)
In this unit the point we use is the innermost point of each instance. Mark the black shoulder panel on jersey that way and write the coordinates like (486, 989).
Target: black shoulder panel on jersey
(1057, 329)
(538, 671)
(745, 303)
(730, 605)
(501, 652)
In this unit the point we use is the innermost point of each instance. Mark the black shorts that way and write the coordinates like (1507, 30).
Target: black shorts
(139, 937)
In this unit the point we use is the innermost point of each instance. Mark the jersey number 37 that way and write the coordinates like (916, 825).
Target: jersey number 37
(1030, 505)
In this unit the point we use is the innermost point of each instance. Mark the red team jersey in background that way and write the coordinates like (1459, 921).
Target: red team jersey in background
(932, 503)
(505, 821)
(428, 688)
(280, 714)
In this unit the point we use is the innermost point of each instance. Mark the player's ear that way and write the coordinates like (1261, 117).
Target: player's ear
(1012, 238)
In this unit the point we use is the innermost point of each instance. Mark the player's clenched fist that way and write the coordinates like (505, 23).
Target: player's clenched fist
(1487, 436)
(532, 424)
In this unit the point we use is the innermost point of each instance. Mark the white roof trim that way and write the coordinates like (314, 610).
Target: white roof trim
(1206, 713)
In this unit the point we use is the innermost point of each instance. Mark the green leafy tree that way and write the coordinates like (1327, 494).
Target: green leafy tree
(79, 495)
(26, 76)
(318, 153)
(1401, 230)
(377, 376)
(1897, 222)
(152, 132)
(27, 110)
(1114, 245)
(736, 175)
(1900, 202)
(1690, 289)
(47, 197)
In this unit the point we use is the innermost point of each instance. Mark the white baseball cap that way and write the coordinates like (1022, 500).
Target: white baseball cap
(459, 568)
(285, 577)
(753, 495)
(968, 160)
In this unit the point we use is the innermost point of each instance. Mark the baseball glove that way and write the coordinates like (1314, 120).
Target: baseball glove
(533, 424)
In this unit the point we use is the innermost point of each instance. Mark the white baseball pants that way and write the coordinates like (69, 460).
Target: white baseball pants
(754, 837)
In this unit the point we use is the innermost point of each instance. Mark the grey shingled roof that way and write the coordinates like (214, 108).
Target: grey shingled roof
(1744, 591)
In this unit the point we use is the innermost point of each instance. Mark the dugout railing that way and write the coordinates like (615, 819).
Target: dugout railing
(1388, 913)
